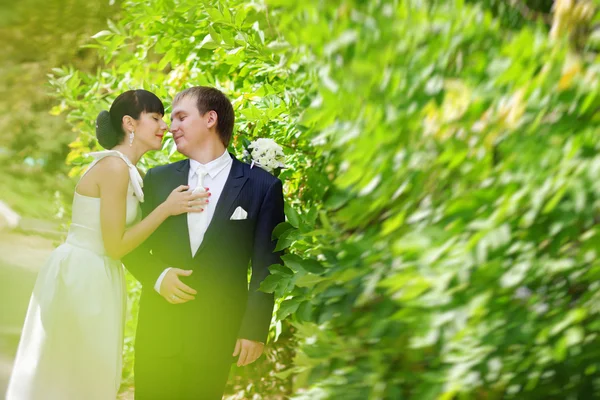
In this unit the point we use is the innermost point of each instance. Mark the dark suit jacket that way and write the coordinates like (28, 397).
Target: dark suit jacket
(225, 308)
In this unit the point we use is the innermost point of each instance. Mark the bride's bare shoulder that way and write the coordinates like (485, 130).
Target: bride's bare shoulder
(112, 164)
(108, 170)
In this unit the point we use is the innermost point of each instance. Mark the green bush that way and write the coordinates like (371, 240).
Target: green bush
(442, 190)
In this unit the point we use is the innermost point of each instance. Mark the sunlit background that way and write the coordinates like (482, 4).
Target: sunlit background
(442, 183)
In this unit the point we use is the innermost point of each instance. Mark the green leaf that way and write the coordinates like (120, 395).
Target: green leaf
(207, 43)
(304, 311)
(288, 307)
(294, 262)
(168, 57)
(286, 239)
(280, 229)
(280, 269)
(555, 200)
(215, 14)
(292, 215)
(227, 37)
(240, 16)
(213, 34)
(299, 264)
(270, 283)
(309, 280)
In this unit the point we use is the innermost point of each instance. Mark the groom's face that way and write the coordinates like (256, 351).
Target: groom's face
(189, 128)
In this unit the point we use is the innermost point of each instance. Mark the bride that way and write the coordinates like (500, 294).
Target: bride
(72, 339)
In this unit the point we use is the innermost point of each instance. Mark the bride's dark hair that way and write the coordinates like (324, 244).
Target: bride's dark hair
(109, 124)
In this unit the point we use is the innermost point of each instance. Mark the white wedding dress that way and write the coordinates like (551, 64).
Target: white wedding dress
(71, 345)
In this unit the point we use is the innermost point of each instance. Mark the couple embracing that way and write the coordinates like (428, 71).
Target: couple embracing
(203, 221)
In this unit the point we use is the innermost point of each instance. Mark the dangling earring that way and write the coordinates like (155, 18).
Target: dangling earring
(131, 135)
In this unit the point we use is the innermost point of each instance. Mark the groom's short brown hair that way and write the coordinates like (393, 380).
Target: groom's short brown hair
(207, 99)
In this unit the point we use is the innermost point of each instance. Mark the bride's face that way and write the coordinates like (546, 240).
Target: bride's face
(150, 130)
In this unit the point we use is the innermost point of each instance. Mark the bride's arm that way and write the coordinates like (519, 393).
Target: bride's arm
(113, 184)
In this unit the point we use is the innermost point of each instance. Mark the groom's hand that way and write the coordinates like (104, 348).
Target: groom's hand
(249, 351)
(175, 291)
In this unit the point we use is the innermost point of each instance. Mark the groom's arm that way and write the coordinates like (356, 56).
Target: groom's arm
(145, 267)
(259, 309)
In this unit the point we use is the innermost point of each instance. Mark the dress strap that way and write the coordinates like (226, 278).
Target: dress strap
(135, 179)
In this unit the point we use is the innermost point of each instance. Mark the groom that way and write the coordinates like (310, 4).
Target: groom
(196, 309)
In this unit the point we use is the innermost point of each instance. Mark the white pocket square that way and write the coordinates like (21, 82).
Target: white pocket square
(239, 213)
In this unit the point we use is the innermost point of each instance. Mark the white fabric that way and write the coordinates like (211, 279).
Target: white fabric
(218, 170)
(239, 213)
(72, 339)
(160, 279)
(135, 179)
(197, 222)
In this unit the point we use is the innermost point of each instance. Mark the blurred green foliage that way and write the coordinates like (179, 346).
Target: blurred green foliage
(36, 37)
(442, 195)
(514, 14)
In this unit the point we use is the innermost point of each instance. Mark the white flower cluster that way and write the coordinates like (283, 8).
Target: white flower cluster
(267, 154)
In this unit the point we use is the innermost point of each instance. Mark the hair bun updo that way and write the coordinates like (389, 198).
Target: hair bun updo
(110, 130)
(105, 132)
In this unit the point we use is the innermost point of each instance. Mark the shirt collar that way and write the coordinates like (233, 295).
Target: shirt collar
(214, 167)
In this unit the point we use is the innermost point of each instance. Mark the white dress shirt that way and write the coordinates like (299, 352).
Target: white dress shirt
(218, 171)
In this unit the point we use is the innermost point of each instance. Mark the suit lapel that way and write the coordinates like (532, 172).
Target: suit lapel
(233, 185)
(180, 177)
(182, 171)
